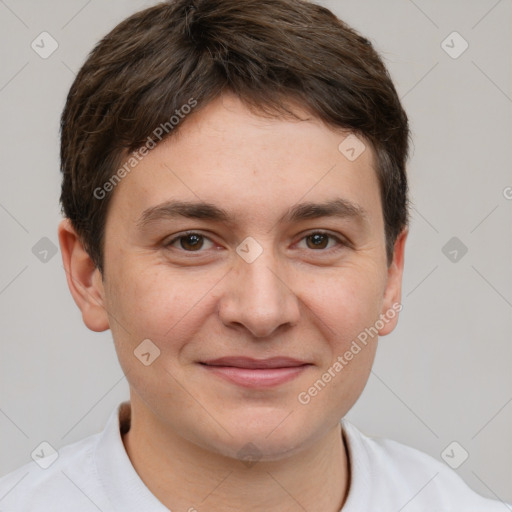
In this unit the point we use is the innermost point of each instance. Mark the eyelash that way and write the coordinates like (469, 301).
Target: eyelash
(340, 243)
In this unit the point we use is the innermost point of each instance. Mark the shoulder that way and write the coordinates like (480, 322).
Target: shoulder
(71, 477)
(403, 476)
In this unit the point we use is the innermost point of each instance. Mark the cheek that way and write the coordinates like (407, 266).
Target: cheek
(348, 302)
(151, 302)
(346, 306)
(140, 301)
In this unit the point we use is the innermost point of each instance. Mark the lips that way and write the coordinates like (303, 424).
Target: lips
(256, 373)
(247, 362)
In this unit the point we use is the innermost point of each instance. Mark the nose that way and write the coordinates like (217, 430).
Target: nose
(259, 297)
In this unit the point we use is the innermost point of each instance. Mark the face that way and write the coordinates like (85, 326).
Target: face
(251, 253)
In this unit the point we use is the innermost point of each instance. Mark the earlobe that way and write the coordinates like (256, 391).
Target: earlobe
(84, 279)
(391, 304)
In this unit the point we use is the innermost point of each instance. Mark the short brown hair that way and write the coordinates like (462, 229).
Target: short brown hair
(265, 51)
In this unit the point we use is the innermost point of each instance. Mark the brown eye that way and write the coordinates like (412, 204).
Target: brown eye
(317, 241)
(191, 242)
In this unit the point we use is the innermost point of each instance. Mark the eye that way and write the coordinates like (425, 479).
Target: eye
(190, 242)
(319, 240)
(194, 242)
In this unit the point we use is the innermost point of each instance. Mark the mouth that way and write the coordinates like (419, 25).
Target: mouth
(256, 373)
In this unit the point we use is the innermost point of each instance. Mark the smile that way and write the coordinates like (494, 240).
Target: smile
(256, 373)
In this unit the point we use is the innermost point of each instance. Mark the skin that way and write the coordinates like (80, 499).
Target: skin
(188, 425)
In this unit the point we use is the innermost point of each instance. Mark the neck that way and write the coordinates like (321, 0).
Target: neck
(194, 479)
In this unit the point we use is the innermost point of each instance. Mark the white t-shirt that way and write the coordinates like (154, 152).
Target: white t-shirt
(96, 474)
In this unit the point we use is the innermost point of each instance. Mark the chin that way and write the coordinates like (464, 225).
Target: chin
(270, 434)
(250, 450)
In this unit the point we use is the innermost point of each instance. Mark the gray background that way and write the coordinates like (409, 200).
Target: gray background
(442, 376)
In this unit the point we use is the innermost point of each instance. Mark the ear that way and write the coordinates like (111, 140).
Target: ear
(391, 304)
(84, 279)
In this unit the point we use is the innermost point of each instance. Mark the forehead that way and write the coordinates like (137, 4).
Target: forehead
(229, 156)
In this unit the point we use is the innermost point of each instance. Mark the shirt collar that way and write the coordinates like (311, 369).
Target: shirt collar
(360, 469)
(121, 483)
(128, 493)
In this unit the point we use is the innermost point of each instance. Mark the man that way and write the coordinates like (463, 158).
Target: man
(235, 197)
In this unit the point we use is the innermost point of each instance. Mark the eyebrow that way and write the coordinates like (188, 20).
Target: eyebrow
(338, 207)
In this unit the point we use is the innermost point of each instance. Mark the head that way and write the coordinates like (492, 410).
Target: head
(234, 186)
